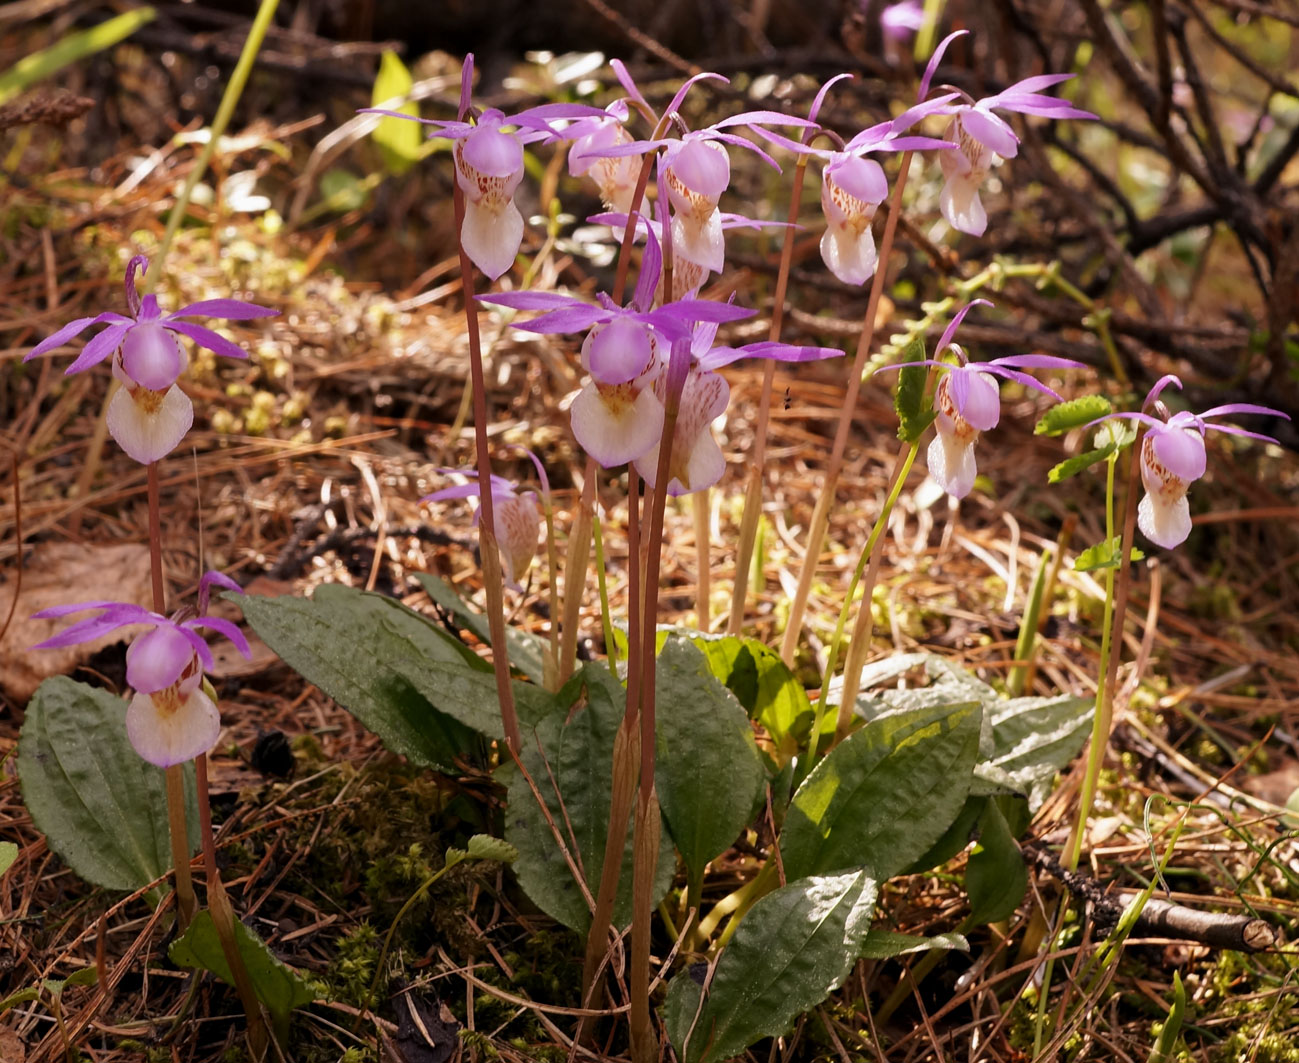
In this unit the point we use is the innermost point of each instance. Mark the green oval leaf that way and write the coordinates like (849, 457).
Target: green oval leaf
(101, 807)
(995, 877)
(399, 140)
(791, 951)
(708, 771)
(1073, 414)
(914, 413)
(885, 794)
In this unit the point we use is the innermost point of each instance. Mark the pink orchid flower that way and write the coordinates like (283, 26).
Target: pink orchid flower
(1173, 457)
(150, 414)
(983, 138)
(696, 461)
(853, 187)
(967, 401)
(902, 20)
(614, 175)
(170, 719)
(515, 517)
(489, 168)
(618, 414)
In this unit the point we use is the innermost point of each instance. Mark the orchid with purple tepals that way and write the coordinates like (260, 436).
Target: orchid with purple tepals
(853, 187)
(967, 401)
(1173, 457)
(696, 461)
(617, 416)
(489, 167)
(515, 517)
(150, 414)
(171, 718)
(983, 138)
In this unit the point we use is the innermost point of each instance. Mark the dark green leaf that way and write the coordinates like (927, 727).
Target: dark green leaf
(277, 986)
(793, 948)
(885, 794)
(1073, 466)
(418, 688)
(995, 877)
(915, 414)
(578, 757)
(886, 944)
(708, 770)
(1075, 413)
(1033, 738)
(527, 651)
(101, 808)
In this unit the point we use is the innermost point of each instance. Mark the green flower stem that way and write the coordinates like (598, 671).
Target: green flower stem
(900, 470)
(821, 515)
(606, 618)
(699, 505)
(753, 492)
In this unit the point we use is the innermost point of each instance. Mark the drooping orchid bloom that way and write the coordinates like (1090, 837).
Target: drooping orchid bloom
(983, 138)
(1173, 457)
(853, 186)
(515, 517)
(696, 461)
(902, 20)
(489, 167)
(171, 718)
(618, 416)
(697, 170)
(150, 414)
(967, 401)
(614, 175)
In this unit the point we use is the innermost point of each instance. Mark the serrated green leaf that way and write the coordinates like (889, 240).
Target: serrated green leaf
(885, 794)
(1081, 462)
(794, 947)
(485, 847)
(399, 140)
(708, 771)
(277, 985)
(578, 758)
(887, 944)
(101, 807)
(527, 651)
(1104, 555)
(914, 413)
(422, 691)
(1075, 413)
(23, 996)
(995, 876)
(8, 854)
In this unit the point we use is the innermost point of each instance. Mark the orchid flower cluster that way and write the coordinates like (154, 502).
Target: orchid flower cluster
(172, 718)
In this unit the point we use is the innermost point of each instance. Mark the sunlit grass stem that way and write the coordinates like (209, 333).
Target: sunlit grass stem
(821, 515)
(701, 510)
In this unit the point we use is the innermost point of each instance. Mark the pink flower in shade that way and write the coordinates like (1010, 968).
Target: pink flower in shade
(853, 186)
(696, 461)
(967, 401)
(1173, 457)
(489, 168)
(515, 517)
(618, 415)
(170, 719)
(150, 414)
(902, 20)
(983, 138)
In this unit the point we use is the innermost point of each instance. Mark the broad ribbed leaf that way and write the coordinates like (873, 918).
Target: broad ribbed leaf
(709, 773)
(1032, 739)
(527, 651)
(102, 809)
(885, 794)
(1075, 413)
(915, 414)
(995, 877)
(791, 951)
(578, 755)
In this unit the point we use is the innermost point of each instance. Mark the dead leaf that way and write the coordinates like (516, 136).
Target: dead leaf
(60, 574)
(11, 1048)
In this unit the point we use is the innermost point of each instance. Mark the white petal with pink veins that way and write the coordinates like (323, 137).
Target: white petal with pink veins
(849, 255)
(951, 464)
(516, 521)
(149, 424)
(960, 203)
(696, 460)
(491, 236)
(617, 424)
(1164, 520)
(699, 239)
(171, 727)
